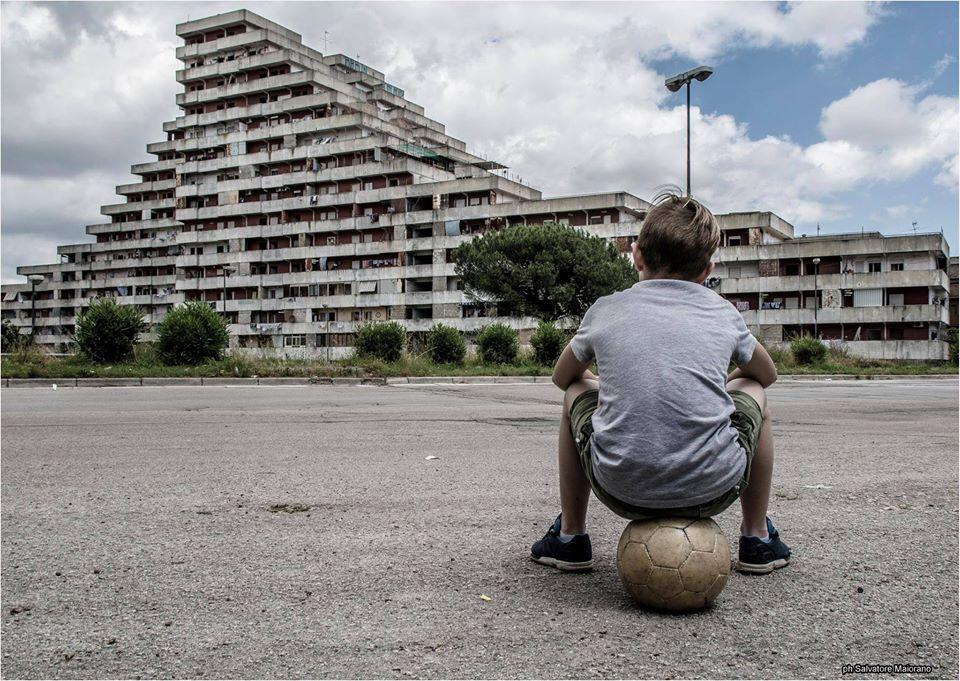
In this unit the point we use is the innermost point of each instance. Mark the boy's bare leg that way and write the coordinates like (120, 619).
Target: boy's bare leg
(574, 485)
(756, 497)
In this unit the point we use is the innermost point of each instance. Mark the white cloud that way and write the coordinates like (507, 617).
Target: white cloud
(566, 94)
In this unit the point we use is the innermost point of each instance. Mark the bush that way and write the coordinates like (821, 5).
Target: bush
(548, 342)
(107, 332)
(498, 344)
(383, 341)
(191, 334)
(953, 342)
(12, 338)
(446, 345)
(808, 350)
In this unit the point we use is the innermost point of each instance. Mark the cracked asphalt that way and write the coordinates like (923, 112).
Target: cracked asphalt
(160, 532)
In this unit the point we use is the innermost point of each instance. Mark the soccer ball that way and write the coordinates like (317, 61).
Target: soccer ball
(677, 564)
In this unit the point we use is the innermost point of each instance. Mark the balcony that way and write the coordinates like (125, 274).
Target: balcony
(933, 278)
(847, 315)
(268, 182)
(246, 63)
(135, 206)
(840, 247)
(258, 110)
(283, 155)
(286, 80)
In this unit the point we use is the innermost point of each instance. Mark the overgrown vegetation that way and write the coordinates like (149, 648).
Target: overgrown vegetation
(12, 338)
(808, 350)
(30, 362)
(446, 345)
(384, 341)
(497, 344)
(108, 332)
(544, 271)
(953, 342)
(547, 342)
(191, 334)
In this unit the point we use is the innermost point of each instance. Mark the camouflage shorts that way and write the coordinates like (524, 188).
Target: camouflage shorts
(746, 419)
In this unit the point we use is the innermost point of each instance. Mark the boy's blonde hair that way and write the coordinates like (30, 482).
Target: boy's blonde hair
(678, 237)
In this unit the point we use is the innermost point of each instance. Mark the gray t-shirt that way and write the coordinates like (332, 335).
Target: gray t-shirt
(662, 436)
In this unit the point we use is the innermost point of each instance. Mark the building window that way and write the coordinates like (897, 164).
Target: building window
(873, 267)
(733, 240)
(295, 341)
(896, 267)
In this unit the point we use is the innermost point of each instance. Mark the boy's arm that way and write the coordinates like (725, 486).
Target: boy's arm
(569, 369)
(760, 368)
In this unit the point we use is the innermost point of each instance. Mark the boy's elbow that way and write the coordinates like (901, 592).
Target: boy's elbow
(559, 381)
(773, 378)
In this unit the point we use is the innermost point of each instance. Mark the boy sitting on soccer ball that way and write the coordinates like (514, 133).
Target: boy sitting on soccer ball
(665, 431)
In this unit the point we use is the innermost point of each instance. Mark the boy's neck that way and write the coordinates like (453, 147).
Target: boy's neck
(645, 276)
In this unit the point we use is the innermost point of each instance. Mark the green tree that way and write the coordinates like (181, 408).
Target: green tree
(380, 340)
(544, 271)
(12, 338)
(107, 332)
(192, 333)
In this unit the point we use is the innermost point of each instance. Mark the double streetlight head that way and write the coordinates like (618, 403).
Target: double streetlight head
(700, 73)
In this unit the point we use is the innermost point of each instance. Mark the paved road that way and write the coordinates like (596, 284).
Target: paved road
(136, 531)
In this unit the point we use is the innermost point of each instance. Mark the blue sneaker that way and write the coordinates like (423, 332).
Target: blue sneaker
(759, 557)
(575, 555)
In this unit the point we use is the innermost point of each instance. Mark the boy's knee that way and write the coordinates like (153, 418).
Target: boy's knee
(753, 389)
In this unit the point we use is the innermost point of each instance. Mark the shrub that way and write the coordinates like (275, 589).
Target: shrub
(107, 332)
(808, 350)
(446, 345)
(12, 338)
(383, 341)
(192, 333)
(954, 344)
(548, 342)
(498, 344)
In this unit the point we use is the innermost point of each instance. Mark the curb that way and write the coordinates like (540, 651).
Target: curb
(393, 380)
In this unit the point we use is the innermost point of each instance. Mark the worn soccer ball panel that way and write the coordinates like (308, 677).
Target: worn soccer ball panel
(698, 571)
(677, 564)
(633, 563)
(668, 547)
(664, 582)
(702, 534)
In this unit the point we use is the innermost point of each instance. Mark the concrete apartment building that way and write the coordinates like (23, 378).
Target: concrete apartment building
(301, 194)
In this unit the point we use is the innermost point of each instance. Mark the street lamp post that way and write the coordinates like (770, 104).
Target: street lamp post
(673, 84)
(816, 300)
(34, 279)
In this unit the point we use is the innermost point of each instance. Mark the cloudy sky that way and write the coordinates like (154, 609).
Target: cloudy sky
(842, 114)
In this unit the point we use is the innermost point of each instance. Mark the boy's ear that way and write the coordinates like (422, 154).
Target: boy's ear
(708, 270)
(637, 257)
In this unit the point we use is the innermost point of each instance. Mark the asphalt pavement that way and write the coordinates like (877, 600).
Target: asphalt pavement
(161, 532)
